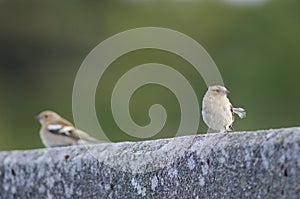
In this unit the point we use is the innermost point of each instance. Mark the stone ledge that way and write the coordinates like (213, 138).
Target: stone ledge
(259, 164)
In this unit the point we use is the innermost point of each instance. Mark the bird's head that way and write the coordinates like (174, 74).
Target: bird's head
(218, 91)
(47, 117)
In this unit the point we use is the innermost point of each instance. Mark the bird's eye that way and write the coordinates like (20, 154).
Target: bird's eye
(217, 90)
(46, 116)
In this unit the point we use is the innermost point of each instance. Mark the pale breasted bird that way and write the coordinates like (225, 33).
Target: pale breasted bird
(217, 111)
(56, 131)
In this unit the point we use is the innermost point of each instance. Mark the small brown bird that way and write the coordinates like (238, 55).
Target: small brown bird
(57, 131)
(217, 111)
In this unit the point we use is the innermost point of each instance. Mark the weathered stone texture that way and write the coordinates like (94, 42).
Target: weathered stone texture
(260, 164)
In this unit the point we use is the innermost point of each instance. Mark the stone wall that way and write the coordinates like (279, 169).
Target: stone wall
(259, 164)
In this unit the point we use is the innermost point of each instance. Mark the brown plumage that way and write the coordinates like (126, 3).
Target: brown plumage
(57, 131)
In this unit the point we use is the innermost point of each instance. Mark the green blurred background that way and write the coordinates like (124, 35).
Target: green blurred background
(43, 43)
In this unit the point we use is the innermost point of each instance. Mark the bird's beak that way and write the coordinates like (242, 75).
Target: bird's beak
(227, 92)
(37, 117)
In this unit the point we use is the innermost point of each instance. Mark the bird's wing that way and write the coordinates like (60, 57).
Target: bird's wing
(72, 132)
(240, 112)
(59, 129)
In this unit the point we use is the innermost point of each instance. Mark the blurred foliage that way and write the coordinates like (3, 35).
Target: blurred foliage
(43, 43)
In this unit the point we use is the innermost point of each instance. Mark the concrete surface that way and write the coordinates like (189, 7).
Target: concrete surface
(259, 164)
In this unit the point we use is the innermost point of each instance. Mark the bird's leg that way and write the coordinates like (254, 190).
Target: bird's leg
(224, 132)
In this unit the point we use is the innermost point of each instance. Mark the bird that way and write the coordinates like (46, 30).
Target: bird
(56, 131)
(217, 111)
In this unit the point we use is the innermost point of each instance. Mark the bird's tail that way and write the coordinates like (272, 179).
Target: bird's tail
(240, 112)
(86, 138)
